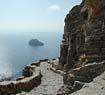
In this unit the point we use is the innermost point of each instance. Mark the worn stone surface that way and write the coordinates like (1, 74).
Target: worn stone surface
(96, 87)
(76, 77)
(50, 84)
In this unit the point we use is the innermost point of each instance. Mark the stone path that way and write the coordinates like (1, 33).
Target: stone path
(97, 87)
(51, 82)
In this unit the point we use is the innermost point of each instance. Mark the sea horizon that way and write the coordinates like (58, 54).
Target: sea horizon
(16, 52)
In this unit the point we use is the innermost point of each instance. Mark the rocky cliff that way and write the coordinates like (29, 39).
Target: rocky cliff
(82, 58)
(83, 46)
(84, 34)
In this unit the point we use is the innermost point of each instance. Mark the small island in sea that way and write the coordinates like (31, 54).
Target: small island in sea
(35, 42)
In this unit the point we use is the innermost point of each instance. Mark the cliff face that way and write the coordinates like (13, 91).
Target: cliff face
(84, 34)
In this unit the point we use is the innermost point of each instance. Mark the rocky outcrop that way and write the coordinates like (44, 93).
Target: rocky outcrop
(84, 33)
(35, 42)
(31, 78)
(75, 78)
(83, 45)
(96, 87)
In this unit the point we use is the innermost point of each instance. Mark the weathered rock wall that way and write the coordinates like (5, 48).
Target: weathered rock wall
(84, 34)
(76, 78)
(96, 87)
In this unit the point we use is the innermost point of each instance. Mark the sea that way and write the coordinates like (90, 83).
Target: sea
(15, 51)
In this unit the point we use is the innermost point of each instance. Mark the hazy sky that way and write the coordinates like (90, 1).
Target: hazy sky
(34, 14)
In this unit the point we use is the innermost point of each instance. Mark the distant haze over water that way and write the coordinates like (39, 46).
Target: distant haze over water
(15, 51)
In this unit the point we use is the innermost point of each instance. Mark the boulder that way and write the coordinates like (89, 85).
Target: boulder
(28, 70)
(77, 85)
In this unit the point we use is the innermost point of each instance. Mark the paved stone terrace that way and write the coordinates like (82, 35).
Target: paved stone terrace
(51, 82)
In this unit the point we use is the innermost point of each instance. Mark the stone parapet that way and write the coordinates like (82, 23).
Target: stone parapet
(26, 83)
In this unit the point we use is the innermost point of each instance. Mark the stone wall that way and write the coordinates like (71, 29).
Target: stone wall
(31, 78)
(84, 34)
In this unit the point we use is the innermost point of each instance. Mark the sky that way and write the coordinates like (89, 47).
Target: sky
(36, 15)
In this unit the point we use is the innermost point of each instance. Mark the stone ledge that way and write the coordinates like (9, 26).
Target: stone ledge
(75, 78)
(56, 71)
(24, 84)
(96, 87)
